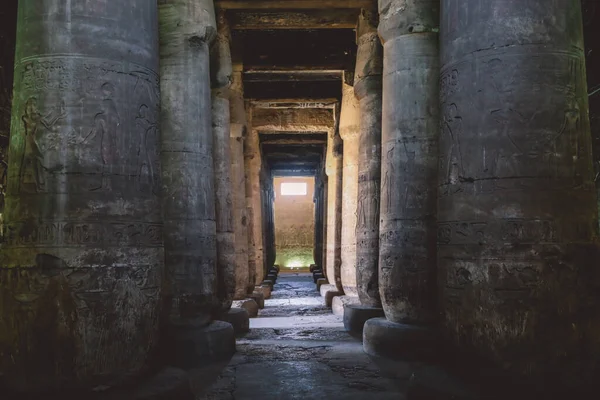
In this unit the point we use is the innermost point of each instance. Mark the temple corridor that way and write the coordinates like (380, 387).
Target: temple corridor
(297, 349)
(299, 199)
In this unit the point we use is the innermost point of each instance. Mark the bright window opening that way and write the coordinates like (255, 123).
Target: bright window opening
(294, 189)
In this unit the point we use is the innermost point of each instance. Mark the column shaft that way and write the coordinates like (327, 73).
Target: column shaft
(186, 29)
(238, 177)
(334, 170)
(221, 71)
(349, 128)
(82, 259)
(517, 209)
(407, 253)
(253, 165)
(367, 88)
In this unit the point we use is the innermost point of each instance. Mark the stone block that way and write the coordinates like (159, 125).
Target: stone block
(321, 282)
(249, 305)
(327, 288)
(265, 290)
(238, 318)
(355, 316)
(259, 298)
(190, 346)
(338, 303)
(386, 339)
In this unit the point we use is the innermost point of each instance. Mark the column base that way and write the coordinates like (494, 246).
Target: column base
(247, 304)
(265, 290)
(238, 318)
(321, 282)
(338, 303)
(329, 292)
(327, 288)
(277, 268)
(317, 276)
(268, 282)
(258, 297)
(386, 339)
(272, 278)
(192, 346)
(356, 315)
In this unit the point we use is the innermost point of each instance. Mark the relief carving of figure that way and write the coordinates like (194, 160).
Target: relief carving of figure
(32, 170)
(361, 217)
(387, 179)
(452, 164)
(145, 166)
(106, 124)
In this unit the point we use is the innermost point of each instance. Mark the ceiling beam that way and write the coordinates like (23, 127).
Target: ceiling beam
(292, 4)
(294, 103)
(300, 19)
(292, 76)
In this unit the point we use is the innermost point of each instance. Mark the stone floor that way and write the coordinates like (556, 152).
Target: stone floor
(297, 349)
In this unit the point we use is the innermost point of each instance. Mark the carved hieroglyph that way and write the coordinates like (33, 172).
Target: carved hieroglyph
(368, 88)
(517, 206)
(82, 262)
(349, 129)
(407, 247)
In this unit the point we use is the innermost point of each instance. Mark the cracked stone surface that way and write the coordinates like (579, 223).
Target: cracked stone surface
(296, 349)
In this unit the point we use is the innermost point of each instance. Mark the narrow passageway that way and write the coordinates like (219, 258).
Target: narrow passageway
(297, 349)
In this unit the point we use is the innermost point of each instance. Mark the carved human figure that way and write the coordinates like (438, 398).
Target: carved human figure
(147, 130)
(106, 125)
(32, 164)
(452, 165)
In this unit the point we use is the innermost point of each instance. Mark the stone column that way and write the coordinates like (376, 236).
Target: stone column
(238, 177)
(82, 259)
(517, 209)
(367, 88)
(349, 130)
(186, 29)
(318, 241)
(407, 248)
(334, 170)
(221, 71)
(253, 166)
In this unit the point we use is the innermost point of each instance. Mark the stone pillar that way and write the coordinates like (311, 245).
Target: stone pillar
(238, 177)
(82, 259)
(367, 88)
(253, 166)
(269, 222)
(318, 200)
(221, 71)
(407, 252)
(186, 29)
(517, 209)
(349, 130)
(334, 169)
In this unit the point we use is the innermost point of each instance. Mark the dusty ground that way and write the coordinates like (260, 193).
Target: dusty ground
(297, 349)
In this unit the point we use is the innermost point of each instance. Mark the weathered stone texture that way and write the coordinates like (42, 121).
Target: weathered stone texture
(407, 254)
(186, 30)
(591, 31)
(8, 30)
(349, 129)
(238, 180)
(517, 204)
(253, 167)
(334, 171)
(367, 88)
(221, 70)
(82, 261)
(292, 119)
